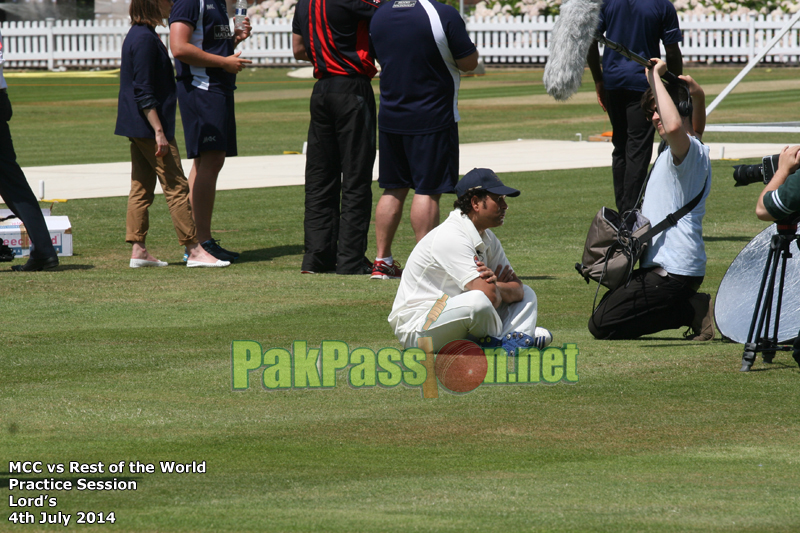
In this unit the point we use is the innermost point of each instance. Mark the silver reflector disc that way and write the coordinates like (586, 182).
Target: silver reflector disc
(736, 297)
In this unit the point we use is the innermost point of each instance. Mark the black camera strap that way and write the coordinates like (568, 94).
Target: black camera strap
(637, 207)
(673, 218)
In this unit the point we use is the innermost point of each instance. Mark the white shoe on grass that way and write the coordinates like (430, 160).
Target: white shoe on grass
(141, 263)
(542, 338)
(199, 264)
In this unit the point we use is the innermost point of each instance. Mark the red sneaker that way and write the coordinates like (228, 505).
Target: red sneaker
(380, 270)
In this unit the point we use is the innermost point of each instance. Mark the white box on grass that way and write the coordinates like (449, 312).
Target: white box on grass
(15, 236)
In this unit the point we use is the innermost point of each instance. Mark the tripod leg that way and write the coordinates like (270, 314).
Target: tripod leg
(785, 242)
(749, 356)
(765, 275)
(760, 310)
(768, 354)
(765, 342)
(768, 343)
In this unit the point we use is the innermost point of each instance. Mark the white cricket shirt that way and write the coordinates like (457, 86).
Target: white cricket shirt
(443, 262)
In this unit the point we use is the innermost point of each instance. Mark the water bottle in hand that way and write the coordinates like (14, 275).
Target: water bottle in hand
(241, 13)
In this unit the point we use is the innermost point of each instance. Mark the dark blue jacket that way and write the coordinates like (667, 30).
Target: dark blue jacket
(146, 80)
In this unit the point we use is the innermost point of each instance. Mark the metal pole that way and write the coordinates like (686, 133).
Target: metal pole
(753, 62)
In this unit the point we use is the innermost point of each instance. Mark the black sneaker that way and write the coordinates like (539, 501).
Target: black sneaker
(35, 264)
(234, 254)
(212, 246)
(6, 253)
(364, 268)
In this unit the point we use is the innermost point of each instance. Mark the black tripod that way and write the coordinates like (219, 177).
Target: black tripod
(762, 314)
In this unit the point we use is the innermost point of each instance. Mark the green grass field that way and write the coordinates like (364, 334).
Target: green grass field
(102, 363)
(63, 120)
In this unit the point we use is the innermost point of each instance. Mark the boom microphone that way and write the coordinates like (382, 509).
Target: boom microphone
(668, 76)
(572, 35)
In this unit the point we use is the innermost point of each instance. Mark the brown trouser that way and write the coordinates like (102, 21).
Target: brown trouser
(144, 169)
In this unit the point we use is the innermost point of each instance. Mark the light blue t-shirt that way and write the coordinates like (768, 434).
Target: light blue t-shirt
(678, 249)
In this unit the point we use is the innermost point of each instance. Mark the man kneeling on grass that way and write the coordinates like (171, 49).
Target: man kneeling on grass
(458, 283)
(663, 293)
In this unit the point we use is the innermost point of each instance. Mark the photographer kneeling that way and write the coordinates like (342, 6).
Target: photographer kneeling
(662, 294)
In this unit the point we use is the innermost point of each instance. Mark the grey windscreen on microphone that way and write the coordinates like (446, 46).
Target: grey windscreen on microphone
(569, 44)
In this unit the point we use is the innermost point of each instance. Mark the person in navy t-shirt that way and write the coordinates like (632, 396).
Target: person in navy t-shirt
(202, 42)
(421, 46)
(638, 25)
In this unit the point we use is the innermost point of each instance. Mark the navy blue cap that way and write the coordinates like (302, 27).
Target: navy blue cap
(483, 178)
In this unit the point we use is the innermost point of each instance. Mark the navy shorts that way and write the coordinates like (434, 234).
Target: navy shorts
(208, 120)
(426, 163)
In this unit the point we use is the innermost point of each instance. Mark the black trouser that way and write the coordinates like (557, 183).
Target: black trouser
(339, 161)
(16, 192)
(633, 145)
(650, 303)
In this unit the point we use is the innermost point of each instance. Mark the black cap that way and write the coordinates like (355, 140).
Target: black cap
(485, 179)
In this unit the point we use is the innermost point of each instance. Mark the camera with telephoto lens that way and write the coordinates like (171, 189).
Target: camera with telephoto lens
(747, 174)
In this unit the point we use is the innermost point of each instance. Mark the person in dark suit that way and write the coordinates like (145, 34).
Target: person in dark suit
(17, 194)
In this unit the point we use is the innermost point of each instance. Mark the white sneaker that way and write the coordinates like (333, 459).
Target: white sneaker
(141, 263)
(199, 264)
(516, 339)
(542, 338)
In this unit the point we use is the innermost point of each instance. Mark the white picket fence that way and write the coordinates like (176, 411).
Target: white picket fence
(54, 44)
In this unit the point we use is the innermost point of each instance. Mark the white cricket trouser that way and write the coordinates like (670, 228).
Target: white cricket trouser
(472, 314)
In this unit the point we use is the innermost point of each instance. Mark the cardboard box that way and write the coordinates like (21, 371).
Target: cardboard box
(15, 236)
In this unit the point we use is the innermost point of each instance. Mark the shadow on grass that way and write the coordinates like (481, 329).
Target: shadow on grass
(662, 341)
(268, 254)
(74, 267)
(731, 238)
(680, 341)
(775, 366)
(537, 278)
(60, 268)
